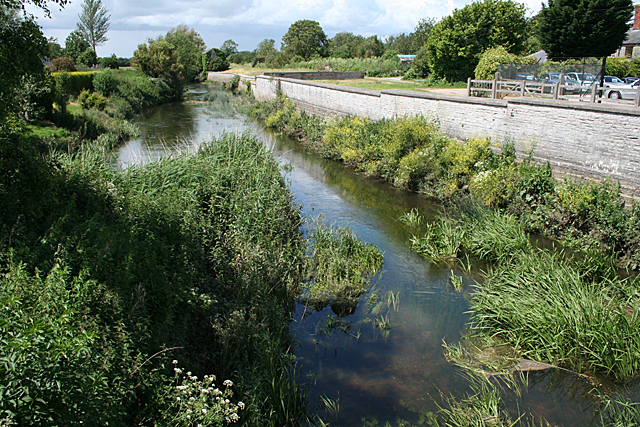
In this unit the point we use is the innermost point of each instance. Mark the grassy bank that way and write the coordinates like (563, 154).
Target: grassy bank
(108, 276)
(412, 153)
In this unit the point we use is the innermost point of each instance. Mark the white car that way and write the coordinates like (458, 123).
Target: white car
(622, 91)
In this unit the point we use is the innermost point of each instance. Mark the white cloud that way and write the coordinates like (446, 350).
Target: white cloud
(248, 21)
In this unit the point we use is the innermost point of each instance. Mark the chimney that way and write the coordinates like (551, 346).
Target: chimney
(636, 19)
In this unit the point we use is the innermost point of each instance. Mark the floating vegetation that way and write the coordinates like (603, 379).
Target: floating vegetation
(412, 218)
(456, 281)
(342, 266)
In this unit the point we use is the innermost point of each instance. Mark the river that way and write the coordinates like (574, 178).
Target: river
(384, 362)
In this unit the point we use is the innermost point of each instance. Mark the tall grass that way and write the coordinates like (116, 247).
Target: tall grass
(373, 67)
(109, 275)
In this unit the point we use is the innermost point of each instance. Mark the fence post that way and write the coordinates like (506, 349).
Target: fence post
(469, 86)
(556, 89)
(494, 92)
(638, 96)
(594, 92)
(561, 85)
(523, 86)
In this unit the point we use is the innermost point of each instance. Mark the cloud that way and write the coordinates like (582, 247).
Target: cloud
(248, 21)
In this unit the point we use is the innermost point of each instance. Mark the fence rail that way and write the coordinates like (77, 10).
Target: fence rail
(498, 87)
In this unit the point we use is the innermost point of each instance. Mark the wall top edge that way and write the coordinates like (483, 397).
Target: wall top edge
(446, 97)
(367, 92)
(584, 106)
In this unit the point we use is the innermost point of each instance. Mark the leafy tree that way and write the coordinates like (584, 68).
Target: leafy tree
(22, 50)
(344, 45)
(456, 43)
(54, 48)
(370, 47)
(88, 58)
(266, 48)
(42, 4)
(74, 45)
(188, 50)
(305, 38)
(422, 31)
(229, 47)
(94, 23)
(400, 44)
(581, 28)
(110, 62)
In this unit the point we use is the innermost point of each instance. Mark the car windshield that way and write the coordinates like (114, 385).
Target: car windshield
(585, 76)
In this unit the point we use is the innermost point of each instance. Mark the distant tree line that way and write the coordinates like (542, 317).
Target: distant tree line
(452, 47)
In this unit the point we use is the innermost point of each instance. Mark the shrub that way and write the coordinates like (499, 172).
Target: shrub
(110, 62)
(63, 64)
(88, 100)
(105, 83)
(76, 82)
(493, 57)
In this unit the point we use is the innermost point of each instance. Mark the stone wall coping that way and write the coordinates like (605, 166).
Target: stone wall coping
(584, 106)
(447, 97)
(368, 92)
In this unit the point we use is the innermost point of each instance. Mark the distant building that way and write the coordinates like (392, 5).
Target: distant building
(631, 45)
(540, 55)
(405, 60)
(211, 52)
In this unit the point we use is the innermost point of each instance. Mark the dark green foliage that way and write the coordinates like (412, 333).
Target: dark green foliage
(215, 62)
(22, 50)
(583, 28)
(75, 45)
(75, 82)
(305, 38)
(110, 62)
(109, 275)
(456, 43)
(88, 58)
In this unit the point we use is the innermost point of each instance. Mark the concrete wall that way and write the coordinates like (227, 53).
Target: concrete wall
(593, 140)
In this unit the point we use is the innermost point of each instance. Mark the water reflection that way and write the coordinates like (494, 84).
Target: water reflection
(382, 359)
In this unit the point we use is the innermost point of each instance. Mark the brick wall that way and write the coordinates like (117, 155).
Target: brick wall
(592, 140)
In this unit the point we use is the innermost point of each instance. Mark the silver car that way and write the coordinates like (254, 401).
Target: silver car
(623, 91)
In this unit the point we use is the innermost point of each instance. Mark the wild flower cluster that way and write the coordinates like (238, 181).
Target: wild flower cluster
(201, 402)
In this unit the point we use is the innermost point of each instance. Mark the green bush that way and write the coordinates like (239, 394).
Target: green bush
(493, 57)
(110, 62)
(88, 100)
(75, 82)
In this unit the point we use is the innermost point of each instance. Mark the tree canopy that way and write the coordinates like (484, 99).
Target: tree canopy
(175, 57)
(94, 23)
(583, 28)
(75, 45)
(305, 38)
(456, 43)
(21, 52)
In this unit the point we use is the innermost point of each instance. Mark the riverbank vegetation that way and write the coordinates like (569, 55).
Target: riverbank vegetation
(110, 275)
(413, 154)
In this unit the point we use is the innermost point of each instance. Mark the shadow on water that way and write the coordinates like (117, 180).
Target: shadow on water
(382, 359)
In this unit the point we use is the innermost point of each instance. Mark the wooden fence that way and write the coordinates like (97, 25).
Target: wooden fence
(498, 88)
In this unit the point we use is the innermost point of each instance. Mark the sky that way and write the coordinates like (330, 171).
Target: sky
(247, 22)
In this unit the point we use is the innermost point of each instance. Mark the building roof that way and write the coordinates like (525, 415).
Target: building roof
(633, 38)
(540, 55)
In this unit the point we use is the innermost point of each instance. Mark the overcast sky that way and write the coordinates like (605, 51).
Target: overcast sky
(247, 22)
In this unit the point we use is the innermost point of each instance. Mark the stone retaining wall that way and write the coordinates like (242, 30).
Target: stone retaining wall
(592, 140)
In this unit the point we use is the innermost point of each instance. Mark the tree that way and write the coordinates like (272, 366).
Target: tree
(188, 49)
(42, 4)
(344, 45)
(94, 23)
(422, 31)
(456, 43)
(54, 48)
(305, 38)
(88, 58)
(229, 47)
(582, 28)
(75, 45)
(22, 50)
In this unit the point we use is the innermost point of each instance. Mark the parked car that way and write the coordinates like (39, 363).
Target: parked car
(631, 80)
(526, 76)
(613, 79)
(623, 91)
(584, 79)
(553, 78)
